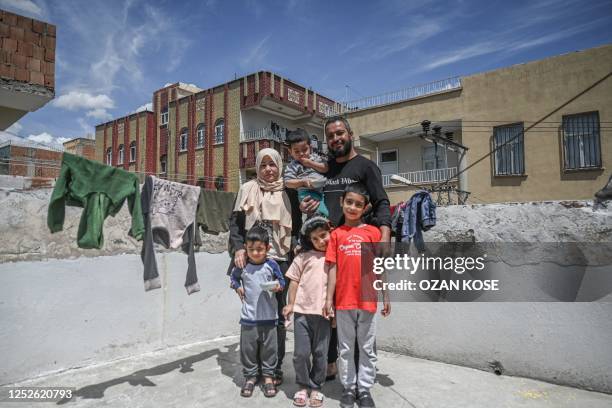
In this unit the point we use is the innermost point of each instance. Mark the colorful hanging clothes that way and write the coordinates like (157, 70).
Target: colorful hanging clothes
(100, 190)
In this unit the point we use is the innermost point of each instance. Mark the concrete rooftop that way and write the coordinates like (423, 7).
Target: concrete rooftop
(209, 374)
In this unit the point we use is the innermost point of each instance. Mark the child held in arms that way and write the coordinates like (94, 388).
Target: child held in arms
(305, 171)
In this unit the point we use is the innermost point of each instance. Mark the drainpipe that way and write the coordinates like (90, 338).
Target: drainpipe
(463, 178)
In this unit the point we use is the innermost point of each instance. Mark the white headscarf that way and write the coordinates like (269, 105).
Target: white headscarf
(267, 201)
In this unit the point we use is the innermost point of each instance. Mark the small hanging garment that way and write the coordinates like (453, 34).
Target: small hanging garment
(419, 216)
(215, 210)
(169, 211)
(100, 190)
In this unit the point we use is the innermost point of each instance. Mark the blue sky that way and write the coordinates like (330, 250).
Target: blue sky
(111, 55)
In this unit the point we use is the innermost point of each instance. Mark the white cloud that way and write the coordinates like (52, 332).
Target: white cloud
(26, 6)
(256, 55)
(95, 105)
(87, 128)
(146, 106)
(99, 113)
(408, 37)
(15, 128)
(117, 56)
(76, 100)
(43, 137)
(505, 43)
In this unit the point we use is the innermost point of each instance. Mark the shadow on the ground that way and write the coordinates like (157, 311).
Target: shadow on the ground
(227, 360)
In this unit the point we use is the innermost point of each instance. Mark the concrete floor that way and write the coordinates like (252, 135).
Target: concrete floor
(208, 374)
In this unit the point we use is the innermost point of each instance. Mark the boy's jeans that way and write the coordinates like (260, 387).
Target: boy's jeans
(361, 325)
(315, 195)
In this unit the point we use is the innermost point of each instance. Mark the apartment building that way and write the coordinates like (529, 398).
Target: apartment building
(210, 137)
(529, 132)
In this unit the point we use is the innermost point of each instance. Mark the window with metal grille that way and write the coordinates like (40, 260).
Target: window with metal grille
(201, 135)
(219, 131)
(109, 156)
(581, 143)
(509, 145)
(183, 140)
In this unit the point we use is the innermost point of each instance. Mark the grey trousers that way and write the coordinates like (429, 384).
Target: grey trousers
(360, 325)
(258, 346)
(311, 338)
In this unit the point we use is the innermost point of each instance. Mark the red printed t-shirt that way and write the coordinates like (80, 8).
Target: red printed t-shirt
(344, 250)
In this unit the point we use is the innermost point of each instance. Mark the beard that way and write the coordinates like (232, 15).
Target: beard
(343, 151)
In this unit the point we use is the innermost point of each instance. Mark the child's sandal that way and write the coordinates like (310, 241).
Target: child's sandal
(247, 388)
(316, 399)
(269, 390)
(300, 398)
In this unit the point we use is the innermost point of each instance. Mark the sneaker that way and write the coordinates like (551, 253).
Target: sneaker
(365, 400)
(348, 398)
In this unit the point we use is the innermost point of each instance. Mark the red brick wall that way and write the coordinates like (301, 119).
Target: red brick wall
(126, 143)
(191, 144)
(226, 136)
(27, 52)
(20, 156)
(115, 144)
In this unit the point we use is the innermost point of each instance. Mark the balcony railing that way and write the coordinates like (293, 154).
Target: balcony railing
(397, 96)
(424, 176)
(264, 133)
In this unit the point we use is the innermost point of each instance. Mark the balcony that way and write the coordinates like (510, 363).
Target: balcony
(424, 176)
(262, 134)
(248, 151)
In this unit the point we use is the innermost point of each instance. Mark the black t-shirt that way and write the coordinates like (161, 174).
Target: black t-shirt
(365, 171)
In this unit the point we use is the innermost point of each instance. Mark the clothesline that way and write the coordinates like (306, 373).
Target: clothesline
(47, 165)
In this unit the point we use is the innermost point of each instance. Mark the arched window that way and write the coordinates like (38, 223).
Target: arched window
(109, 156)
(183, 140)
(219, 131)
(120, 155)
(201, 135)
(133, 151)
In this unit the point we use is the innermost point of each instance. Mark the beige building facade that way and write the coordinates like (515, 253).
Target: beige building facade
(534, 131)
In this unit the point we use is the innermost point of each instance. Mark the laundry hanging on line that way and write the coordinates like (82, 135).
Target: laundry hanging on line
(416, 216)
(215, 210)
(169, 211)
(101, 191)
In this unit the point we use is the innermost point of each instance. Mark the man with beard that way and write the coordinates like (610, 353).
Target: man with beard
(346, 167)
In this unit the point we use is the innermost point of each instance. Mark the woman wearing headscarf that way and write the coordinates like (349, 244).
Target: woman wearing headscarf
(264, 202)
